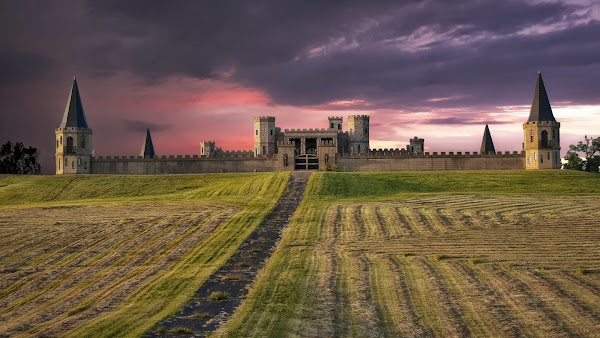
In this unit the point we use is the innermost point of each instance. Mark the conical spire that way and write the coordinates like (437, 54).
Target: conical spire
(147, 147)
(540, 107)
(74, 117)
(487, 145)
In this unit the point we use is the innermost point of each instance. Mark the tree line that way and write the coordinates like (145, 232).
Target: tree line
(588, 148)
(16, 159)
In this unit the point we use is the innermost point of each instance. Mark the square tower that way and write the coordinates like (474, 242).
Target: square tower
(264, 135)
(335, 123)
(358, 134)
(73, 138)
(541, 132)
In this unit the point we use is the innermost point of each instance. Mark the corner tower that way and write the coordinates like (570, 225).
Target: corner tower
(73, 138)
(264, 135)
(541, 132)
(358, 134)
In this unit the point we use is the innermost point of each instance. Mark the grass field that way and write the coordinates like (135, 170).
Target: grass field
(112, 255)
(511, 253)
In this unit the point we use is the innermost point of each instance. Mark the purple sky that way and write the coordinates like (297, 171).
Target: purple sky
(200, 70)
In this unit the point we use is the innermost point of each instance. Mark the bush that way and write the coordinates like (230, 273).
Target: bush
(334, 167)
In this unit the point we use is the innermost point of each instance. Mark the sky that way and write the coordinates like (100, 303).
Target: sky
(194, 71)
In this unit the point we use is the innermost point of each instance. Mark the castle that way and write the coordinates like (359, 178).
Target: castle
(309, 149)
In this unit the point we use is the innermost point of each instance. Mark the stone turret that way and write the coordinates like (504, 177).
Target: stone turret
(417, 145)
(147, 147)
(264, 136)
(73, 138)
(487, 145)
(335, 122)
(358, 134)
(541, 132)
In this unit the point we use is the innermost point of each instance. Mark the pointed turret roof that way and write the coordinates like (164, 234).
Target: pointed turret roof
(540, 107)
(147, 147)
(74, 116)
(487, 145)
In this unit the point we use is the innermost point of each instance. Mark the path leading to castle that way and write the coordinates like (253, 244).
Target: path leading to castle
(203, 315)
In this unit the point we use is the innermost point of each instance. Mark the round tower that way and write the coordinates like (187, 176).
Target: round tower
(73, 138)
(358, 134)
(264, 135)
(541, 132)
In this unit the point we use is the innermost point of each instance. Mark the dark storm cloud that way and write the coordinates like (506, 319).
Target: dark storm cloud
(16, 67)
(267, 44)
(141, 126)
(461, 120)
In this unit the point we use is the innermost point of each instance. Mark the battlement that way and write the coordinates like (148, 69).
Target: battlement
(327, 143)
(543, 123)
(285, 143)
(359, 116)
(304, 130)
(402, 153)
(335, 118)
(264, 119)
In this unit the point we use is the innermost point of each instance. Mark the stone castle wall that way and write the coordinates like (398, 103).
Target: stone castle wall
(245, 161)
(404, 161)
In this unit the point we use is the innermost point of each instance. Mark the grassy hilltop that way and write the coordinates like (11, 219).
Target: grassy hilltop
(487, 253)
(112, 255)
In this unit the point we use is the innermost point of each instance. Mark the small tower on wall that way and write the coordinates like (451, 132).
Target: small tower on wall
(541, 132)
(264, 135)
(147, 147)
(358, 134)
(417, 145)
(73, 138)
(487, 145)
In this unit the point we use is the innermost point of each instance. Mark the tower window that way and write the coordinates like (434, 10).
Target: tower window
(85, 165)
(528, 159)
(339, 127)
(548, 157)
(61, 140)
(331, 125)
(73, 164)
(531, 133)
(264, 150)
(59, 163)
(541, 158)
(202, 151)
(256, 151)
(256, 132)
(366, 131)
(69, 144)
(535, 156)
(79, 162)
(544, 138)
(83, 142)
(66, 162)
(271, 132)
(359, 148)
(56, 143)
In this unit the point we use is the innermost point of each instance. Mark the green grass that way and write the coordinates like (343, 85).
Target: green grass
(218, 295)
(187, 202)
(360, 186)
(356, 258)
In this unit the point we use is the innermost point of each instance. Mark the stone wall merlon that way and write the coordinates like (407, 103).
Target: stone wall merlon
(405, 154)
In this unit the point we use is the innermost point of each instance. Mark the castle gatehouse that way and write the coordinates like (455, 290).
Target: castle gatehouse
(330, 148)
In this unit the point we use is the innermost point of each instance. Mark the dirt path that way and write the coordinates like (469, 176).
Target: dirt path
(202, 315)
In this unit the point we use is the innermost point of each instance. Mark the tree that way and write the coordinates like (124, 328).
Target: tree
(16, 159)
(589, 148)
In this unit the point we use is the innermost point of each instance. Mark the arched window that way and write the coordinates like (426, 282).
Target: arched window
(548, 158)
(528, 159)
(544, 138)
(541, 158)
(59, 163)
(66, 162)
(69, 144)
(61, 140)
(79, 162)
(56, 143)
(73, 164)
(535, 156)
(359, 148)
(366, 131)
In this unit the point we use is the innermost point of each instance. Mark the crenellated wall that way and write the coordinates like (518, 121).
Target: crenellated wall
(394, 160)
